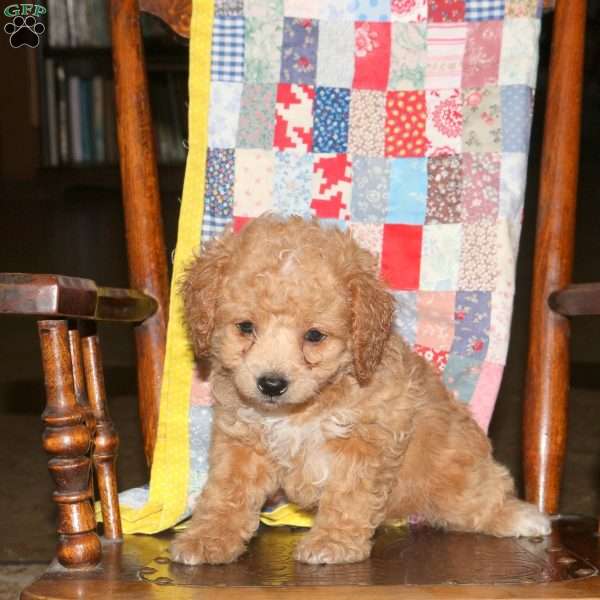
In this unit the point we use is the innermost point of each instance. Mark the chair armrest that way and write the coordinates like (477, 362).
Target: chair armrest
(576, 300)
(71, 297)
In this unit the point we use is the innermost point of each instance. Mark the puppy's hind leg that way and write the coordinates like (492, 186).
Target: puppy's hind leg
(517, 518)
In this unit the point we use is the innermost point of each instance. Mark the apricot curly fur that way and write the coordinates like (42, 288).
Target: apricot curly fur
(364, 430)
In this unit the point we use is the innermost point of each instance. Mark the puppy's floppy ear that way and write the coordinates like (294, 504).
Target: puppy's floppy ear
(372, 315)
(200, 287)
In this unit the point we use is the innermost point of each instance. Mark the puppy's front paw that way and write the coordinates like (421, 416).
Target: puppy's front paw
(194, 548)
(321, 547)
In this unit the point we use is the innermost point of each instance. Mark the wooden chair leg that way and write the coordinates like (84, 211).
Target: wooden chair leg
(106, 441)
(67, 440)
(547, 385)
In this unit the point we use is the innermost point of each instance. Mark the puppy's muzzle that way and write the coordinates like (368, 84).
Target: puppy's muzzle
(272, 385)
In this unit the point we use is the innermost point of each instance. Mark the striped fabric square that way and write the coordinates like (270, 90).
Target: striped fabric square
(227, 58)
(484, 10)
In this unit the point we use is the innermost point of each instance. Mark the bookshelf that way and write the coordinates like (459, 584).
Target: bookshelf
(74, 64)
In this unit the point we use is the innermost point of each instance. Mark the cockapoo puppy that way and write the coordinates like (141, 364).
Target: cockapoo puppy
(315, 394)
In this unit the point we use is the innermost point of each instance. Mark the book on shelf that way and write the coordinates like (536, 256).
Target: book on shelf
(80, 120)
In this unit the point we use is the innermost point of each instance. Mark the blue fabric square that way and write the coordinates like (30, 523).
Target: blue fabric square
(293, 184)
(408, 191)
(370, 189)
(405, 316)
(331, 114)
(369, 10)
(484, 10)
(227, 55)
(218, 190)
(517, 107)
(299, 51)
(472, 324)
(461, 375)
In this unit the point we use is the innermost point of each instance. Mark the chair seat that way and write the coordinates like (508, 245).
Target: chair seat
(415, 561)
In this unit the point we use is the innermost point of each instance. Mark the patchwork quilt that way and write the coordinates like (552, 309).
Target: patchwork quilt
(405, 121)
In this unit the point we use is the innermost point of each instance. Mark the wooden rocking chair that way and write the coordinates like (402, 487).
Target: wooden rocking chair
(420, 563)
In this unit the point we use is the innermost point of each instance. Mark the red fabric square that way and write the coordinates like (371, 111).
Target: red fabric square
(437, 358)
(294, 117)
(401, 256)
(405, 121)
(371, 55)
(442, 11)
(239, 223)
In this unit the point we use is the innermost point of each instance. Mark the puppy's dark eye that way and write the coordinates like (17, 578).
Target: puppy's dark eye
(314, 335)
(246, 327)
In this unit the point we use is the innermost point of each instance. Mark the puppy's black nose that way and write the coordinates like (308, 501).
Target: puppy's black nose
(272, 384)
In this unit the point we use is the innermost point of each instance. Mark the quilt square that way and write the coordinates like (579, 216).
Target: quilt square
(227, 54)
(444, 189)
(406, 116)
(461, 375)
(408, 191)
(408, 11)
(367, 120)
(370, 191)
(335, 61)
(523, 8)
(482, 128)
(299, 51)
(266, 9)
(472, 324)
(435, 323)
(444, 122)
(213, 226)
(302, 9)
(501, 309)
(225, 99)
(401, 256)
(293, 184)
(220, 177)
(445, 51)
(294, 117)
(443, 11)
(369, 236)
(405, 315)
(481, 187)
(440, 257)
(254, 170)
(482, 55)
(257, 116)
(332, 115)
(371, 55)
(478, 267)
(229, 8)
(517, 111)
(409, 56)
(263, 49)
(513, 175)
(484, 10)
(332, 186)
(519, 44)
(507, 248)
(485, 394)
(437, 358)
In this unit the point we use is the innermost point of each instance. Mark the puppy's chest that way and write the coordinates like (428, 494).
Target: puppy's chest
(301, 445)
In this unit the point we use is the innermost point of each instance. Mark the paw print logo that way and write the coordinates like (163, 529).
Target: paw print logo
(24, 31)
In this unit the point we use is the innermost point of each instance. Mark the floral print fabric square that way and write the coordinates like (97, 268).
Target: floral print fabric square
(407, 123)
(299, 50)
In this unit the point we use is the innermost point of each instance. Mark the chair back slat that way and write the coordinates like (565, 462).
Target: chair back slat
(141, 202)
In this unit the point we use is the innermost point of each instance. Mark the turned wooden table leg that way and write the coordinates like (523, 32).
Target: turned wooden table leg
(67, 440)
(106, 442)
